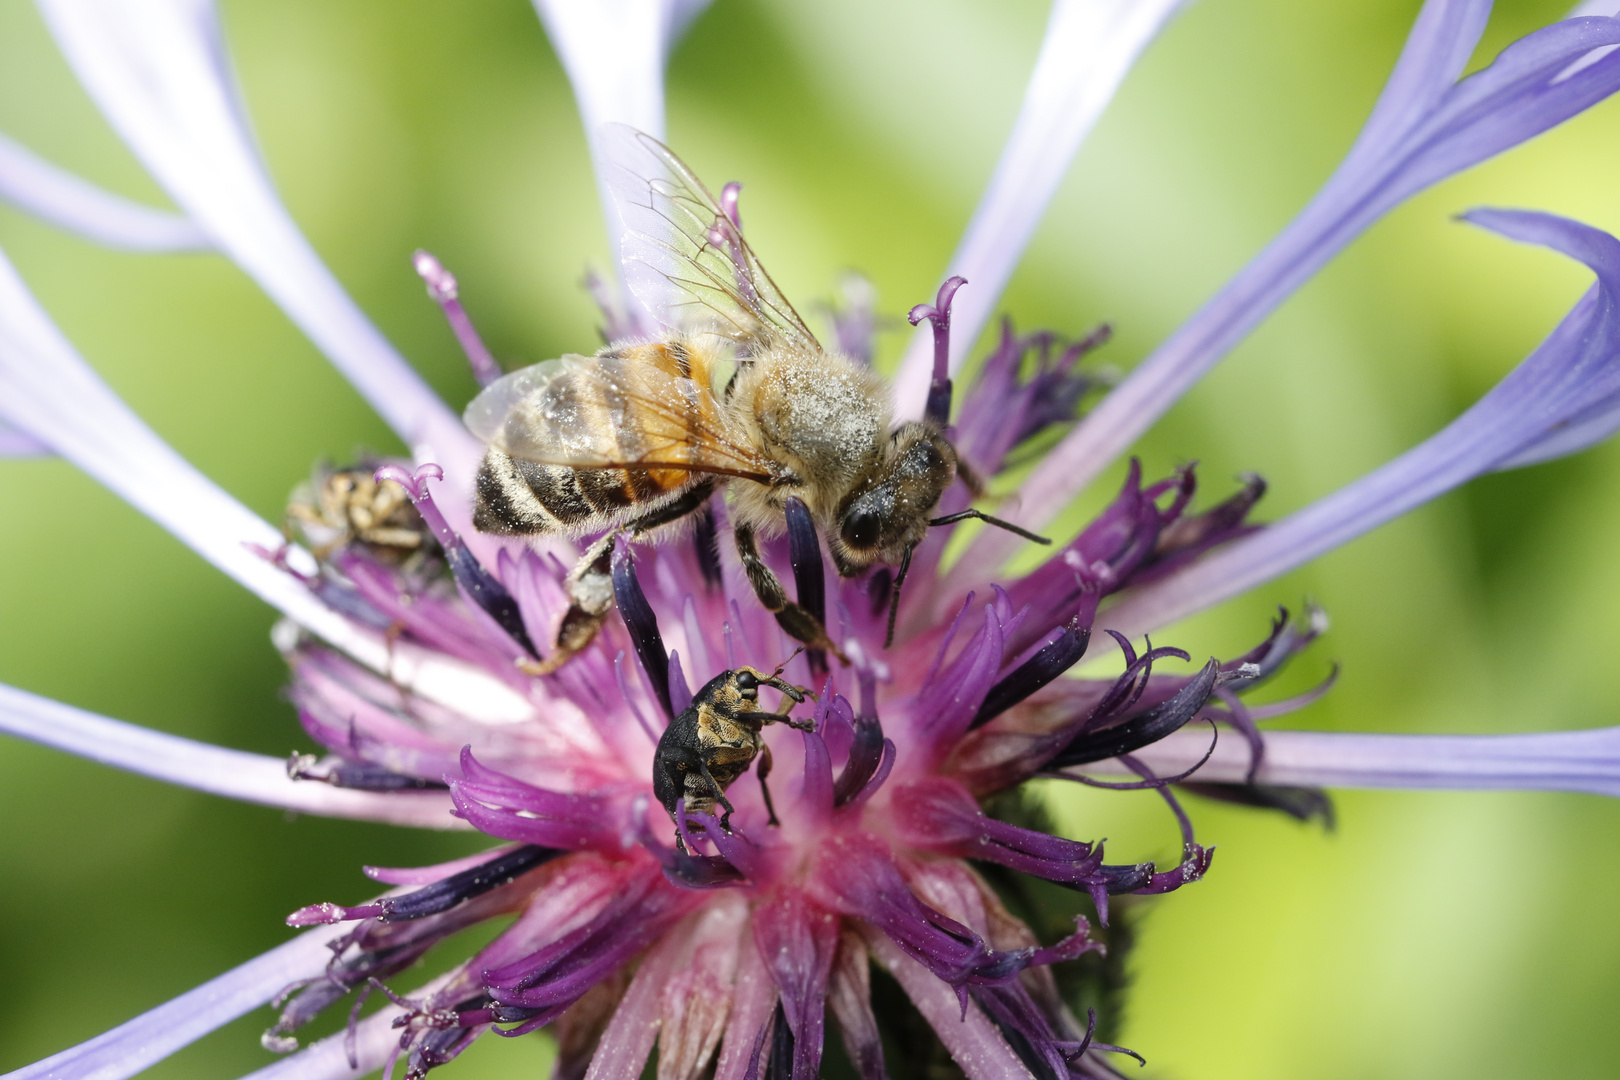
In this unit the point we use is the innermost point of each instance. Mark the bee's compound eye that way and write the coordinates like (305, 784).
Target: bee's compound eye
(861, 527)
(747, 681)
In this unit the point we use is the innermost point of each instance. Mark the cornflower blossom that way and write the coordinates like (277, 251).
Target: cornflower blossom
(413, 640)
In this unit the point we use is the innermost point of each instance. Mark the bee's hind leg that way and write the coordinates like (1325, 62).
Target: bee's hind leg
(590, 583)
(795, 620)
(590, 586)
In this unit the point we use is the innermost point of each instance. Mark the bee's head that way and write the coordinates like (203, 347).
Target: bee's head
(888, 513)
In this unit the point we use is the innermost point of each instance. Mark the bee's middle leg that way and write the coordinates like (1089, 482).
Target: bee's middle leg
(795, 620)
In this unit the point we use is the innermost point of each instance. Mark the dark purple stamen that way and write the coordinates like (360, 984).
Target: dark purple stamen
(780, 1064)
(1299, 803)
(1140, 731)
(444, 291)
(477, 584)
(809, 575)
(440, 1045)
(939, 387)
(1058, 656)
(642, 624)
(438, 897)
(865, 753)
(359, 775)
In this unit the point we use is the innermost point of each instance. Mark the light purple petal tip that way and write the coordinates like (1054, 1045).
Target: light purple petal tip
(1425, 127)
(1562, 398)
(154, 1035)
(1089, 48)
(161, 75)
(53, 194)
(202, 767)
(1586, 761)
(50, 393)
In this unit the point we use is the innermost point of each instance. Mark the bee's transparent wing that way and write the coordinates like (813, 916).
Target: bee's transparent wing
(684, 258)
(640, 407)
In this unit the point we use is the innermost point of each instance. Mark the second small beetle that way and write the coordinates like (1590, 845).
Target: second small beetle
(716, 738)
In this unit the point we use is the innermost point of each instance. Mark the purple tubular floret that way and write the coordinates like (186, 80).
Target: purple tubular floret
(1139, 731)
(477, 584)
(799, 942)
(502, 806)
(809, 575)
(1054, 658)
(642, 623)
(865, 754)
(553, 977)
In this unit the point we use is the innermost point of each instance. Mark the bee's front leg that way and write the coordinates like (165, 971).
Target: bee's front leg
(795, 620)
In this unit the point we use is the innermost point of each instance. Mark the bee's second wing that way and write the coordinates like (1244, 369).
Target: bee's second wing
(635, 408)
(682, 255)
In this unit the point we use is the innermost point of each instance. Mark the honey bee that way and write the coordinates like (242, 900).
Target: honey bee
(342, 506)
(716, 738)
(737, 394)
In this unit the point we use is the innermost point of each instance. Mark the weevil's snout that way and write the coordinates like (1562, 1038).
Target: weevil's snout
(787, 688)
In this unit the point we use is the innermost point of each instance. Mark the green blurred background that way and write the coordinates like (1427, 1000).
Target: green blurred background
(1434, 934)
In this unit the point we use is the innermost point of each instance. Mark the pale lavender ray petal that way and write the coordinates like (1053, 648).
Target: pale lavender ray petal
(51, 394)
(16, 443)
(1586, 761)
(160, 74)
(53, 194)
(154, 1035)
(1425, 127)
(200, 766)
(614, 52)
(1563, 397)
(1089, 47)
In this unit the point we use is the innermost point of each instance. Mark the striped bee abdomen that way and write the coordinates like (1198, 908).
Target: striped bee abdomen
(521, 497)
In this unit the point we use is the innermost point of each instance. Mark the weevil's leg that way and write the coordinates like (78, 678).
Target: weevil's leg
(763, 769)
(763, 718)
(719, 796)
(680, 808)
(590, 583)
(795, 620)
(970, 478)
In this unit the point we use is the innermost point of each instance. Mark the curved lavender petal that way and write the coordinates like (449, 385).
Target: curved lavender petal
(614, 52)
(154, 1035)
(1089, 47)
(53, 194)
(1586, 761)
(48, 391)
(1425, 127)
(160, 73)
(1564, 396)
(232, 773)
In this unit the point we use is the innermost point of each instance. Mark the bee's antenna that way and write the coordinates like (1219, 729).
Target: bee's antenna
(783, 665)
(963, 515)
(894, 597)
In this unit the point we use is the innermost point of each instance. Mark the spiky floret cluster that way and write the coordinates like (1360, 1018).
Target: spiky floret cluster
(744, 939)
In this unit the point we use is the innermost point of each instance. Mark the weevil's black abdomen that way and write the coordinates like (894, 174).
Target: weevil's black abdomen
(677, 747)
